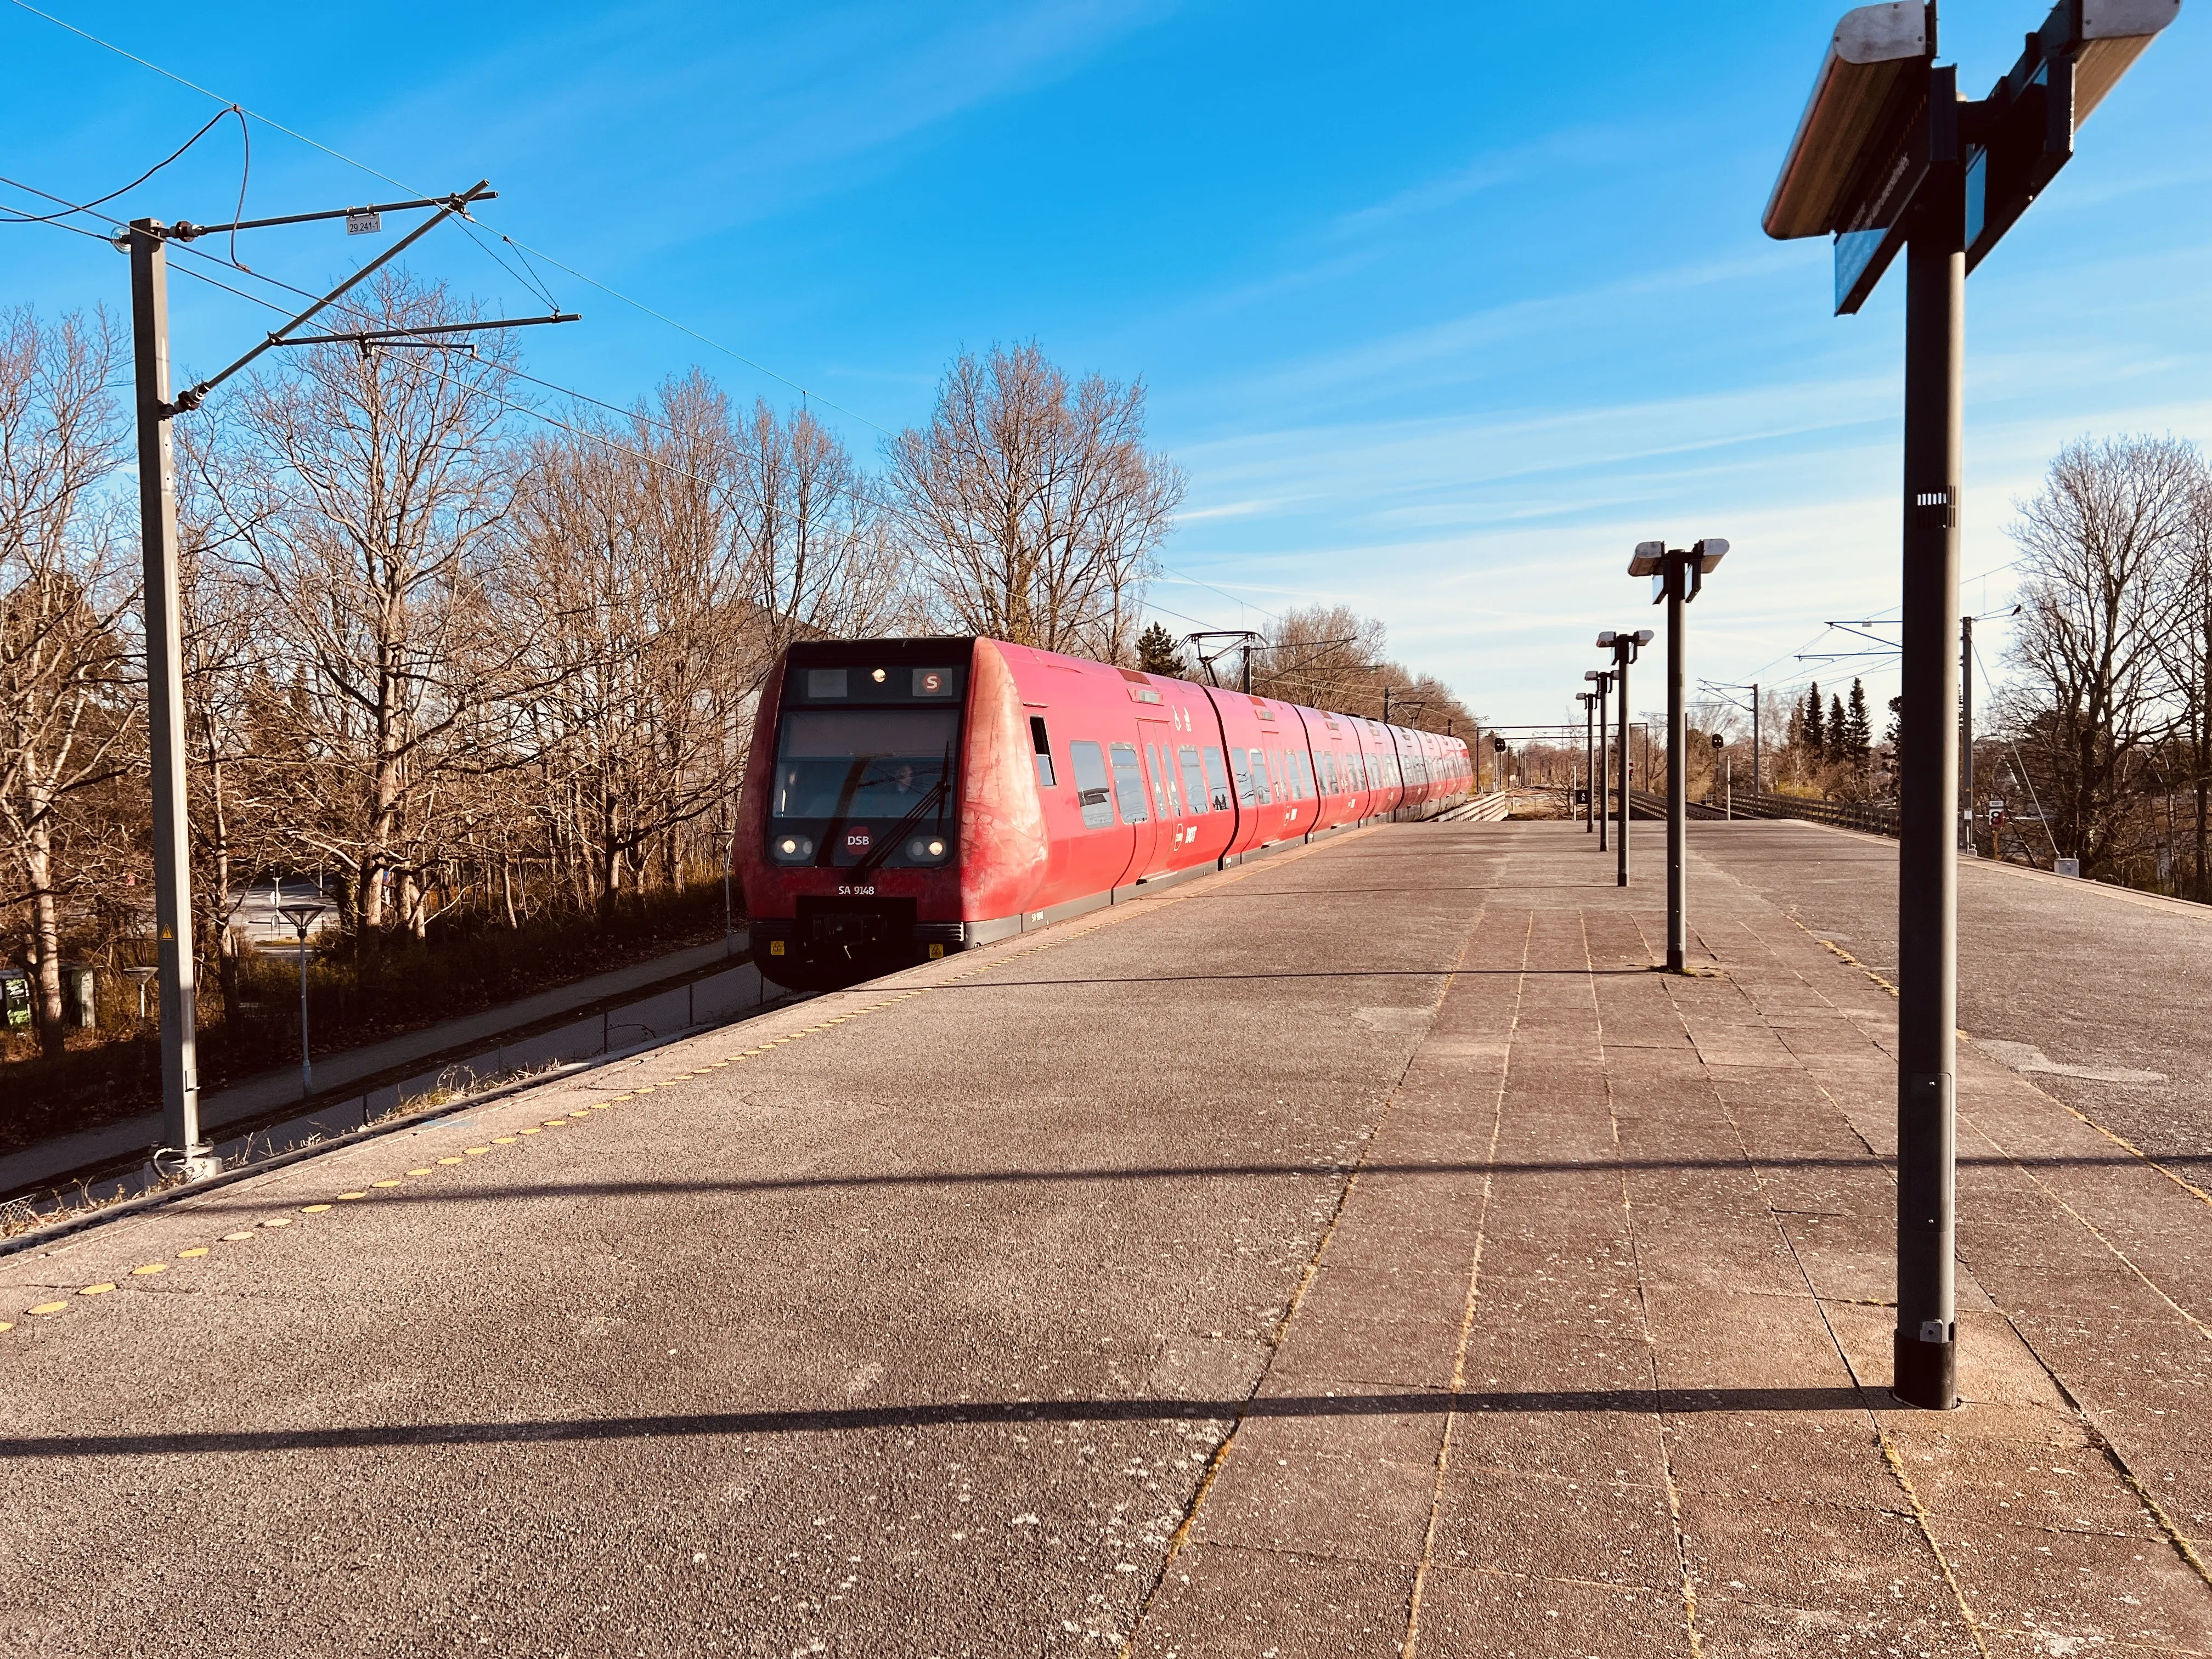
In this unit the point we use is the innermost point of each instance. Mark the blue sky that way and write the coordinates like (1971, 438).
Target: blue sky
(1443, 307)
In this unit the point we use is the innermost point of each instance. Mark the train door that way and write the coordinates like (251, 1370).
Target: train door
(1133, 802)
(1169, 821)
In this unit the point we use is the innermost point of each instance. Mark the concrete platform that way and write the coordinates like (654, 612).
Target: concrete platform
(1360, 1252)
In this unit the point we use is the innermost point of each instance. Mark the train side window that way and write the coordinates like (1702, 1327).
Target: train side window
(1307, 776)
(1193, 780)
(1092, 792)
(1168, 775)
(1129, 783)
(1163, 801)
(1327, 773)
(1241, 764)
(1043, 745)
(1217, 779)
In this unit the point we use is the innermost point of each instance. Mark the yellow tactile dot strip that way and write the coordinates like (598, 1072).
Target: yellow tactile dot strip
(369, 1191)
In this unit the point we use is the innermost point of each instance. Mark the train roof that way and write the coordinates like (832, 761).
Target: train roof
(936, 648)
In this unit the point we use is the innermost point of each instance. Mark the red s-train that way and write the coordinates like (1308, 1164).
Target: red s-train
(909, 798)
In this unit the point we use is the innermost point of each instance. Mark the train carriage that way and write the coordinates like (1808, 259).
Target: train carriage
(909, 798)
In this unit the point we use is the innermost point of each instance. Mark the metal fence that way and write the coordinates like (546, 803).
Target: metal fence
(1876, 819)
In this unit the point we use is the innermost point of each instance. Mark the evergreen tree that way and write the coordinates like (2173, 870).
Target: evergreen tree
(1858, 728)
(1896, 720)
(1840, 732)
(1158, 653)
(1815, 724)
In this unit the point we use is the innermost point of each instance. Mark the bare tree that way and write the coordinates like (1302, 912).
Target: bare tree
(379, 485)
(819, 561)
(2184, 648)
(69, 704)
(1323, 656)
(235, 835)
(1033, 512)
(2096, 547)
(626, 569)
(1331, 657)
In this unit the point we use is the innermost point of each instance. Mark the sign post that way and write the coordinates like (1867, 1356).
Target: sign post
(1887, 158)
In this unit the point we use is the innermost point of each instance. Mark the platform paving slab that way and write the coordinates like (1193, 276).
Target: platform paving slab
(1360, 1252)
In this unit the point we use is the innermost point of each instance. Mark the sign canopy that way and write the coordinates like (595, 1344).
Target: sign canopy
(1883, 117)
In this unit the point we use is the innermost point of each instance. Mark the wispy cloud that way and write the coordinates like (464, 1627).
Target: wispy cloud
(808, 101)
(1568, 149)
(1445, 351)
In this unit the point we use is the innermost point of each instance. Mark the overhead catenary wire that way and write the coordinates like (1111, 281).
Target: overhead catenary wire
(54, 224)
(70, 206)
(520, 247)
(1176, 575)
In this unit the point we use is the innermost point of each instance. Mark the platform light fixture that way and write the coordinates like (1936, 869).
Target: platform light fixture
(1678, 576)
(303, 918)
(1601, 681)
(1625, 645)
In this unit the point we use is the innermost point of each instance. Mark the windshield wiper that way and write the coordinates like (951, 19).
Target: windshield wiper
(930, 800)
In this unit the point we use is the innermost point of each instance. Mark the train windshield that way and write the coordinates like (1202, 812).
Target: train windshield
(866, 763)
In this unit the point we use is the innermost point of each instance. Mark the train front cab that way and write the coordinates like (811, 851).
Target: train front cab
(849, 844)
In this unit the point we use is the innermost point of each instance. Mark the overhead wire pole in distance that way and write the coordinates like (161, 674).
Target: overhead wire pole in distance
(1715, 685)
(185, 1151)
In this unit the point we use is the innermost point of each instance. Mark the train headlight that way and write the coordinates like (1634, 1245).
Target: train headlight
(791, 849)
(927, 849)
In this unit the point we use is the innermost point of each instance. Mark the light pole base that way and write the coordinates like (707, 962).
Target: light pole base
(194, 1164)
(1925, 1374)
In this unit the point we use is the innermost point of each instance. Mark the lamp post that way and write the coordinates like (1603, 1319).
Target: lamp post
(302, 918)
(1887, 157)
(1678, 575)
(1623, 648)
(1601, 685)
(141, 977)
(1590, 701)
